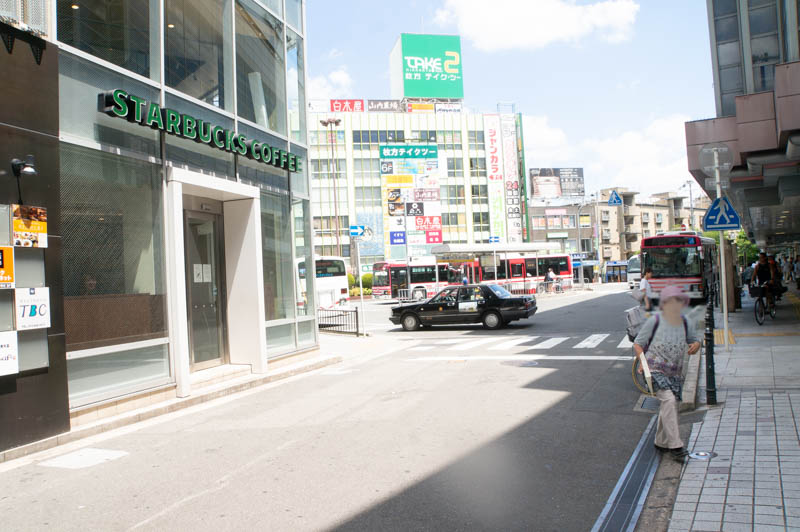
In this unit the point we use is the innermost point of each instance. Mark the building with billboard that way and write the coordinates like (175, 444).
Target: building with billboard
(426, 66)
(461, 168)
(555, 182)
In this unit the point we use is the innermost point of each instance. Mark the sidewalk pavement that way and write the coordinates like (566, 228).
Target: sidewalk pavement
(753, 482)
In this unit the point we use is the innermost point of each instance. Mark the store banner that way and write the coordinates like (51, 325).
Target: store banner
(347, 106)
(319, 106)
(33, 308)
(383, 106)
(6, 267)
(431, 66)
(511, 178)
(9, 353)
(494, 173)
(448, 107)
(409, 152)
(420, 108)
(29, 226)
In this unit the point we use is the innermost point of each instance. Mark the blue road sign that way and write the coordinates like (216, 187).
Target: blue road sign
(397, 237)
(614, 199)
(494, 239)
(357, 230)
(721, 216)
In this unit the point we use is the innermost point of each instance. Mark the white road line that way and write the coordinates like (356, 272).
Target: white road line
(450, 341)
(591, 342)
(625, 343)
(515, 357)
(421, 348)
(512, 343)
(472, 344)
(547, 344)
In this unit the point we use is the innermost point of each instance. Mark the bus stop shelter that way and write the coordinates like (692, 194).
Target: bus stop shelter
(472, 252)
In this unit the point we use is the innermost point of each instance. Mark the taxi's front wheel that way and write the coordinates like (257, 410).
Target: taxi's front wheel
(410, 322)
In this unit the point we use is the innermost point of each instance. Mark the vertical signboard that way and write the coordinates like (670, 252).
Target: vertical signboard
(6, 267)
(33, 308)
(410, 190)
(9, 353)
(29, 226)
(494, 173)
(508, 127)
(430, 66)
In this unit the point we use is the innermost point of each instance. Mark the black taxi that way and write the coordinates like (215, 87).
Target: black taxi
(490, 304)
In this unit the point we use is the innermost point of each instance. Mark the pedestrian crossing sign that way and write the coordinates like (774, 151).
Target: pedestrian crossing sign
(614, 199)
(721, 216)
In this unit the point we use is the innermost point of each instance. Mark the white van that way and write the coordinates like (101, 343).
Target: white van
(634, 271)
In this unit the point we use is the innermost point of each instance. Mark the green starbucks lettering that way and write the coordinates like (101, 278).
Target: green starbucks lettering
(119, 104)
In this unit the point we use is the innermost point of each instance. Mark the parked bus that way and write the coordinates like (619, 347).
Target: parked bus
(331, 274)
(634, 271)
(681, 258)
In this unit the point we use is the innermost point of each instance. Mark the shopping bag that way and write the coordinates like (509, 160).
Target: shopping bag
(634, 319)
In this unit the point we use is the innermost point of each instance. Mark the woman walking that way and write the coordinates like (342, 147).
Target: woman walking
(663, 342)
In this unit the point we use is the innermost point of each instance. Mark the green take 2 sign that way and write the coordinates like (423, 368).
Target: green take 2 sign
(431, 66)
(118, 103)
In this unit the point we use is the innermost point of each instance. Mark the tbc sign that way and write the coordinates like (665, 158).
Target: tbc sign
(33, 308)
(120, 104)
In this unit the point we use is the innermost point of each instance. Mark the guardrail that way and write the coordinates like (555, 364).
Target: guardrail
(522, 288)
(338, 320)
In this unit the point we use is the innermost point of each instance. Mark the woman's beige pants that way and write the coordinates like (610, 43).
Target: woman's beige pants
(667, 434)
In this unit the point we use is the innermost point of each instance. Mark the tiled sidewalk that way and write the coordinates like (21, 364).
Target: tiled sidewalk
(754, 482)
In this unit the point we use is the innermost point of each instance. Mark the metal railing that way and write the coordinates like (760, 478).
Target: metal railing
(339, 320)
(527, 287)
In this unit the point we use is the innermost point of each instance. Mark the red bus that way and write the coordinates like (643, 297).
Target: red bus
(683, 258)
(389, 277)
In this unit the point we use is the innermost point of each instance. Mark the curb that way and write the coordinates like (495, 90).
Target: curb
(173, 405)
(689, 401)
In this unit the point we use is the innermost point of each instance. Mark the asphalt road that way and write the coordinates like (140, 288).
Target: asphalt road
(450, 428)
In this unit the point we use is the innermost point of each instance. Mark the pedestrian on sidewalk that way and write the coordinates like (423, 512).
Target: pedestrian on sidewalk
(663, 342)
(647, 289)
(797, 271)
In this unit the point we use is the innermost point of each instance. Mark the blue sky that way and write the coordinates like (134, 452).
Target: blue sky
(602, 84)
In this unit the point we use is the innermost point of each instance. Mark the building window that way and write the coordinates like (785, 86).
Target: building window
(424, 136)
(586, 220)
(296, 97)
(554, 222)
(118, 32)
(726, 32)
(480, 194)
(452, 195)
(586, 245)
(455, 167)
(568, 222)
(659, 218)
(475, 140)
(327, 169)
(604, 216)
(477, 166)
(646, 218)
(539, 222)
(449, 140)
(114, 272)
(195, 44)
(364, 140)
(480, 222)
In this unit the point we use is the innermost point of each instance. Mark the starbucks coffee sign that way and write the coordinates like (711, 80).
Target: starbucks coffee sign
(118, 103)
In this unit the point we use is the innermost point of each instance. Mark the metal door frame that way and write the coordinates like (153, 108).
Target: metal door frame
(222, 288)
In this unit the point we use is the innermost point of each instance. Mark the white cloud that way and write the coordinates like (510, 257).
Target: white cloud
(647, 160)
(534, 24)
(334, 53)
(336, 84)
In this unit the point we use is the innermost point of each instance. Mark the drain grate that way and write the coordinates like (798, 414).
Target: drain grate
(650, 403)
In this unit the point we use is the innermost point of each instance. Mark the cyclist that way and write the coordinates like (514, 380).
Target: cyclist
(763, 276)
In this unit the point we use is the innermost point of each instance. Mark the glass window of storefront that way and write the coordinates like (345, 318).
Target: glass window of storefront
(198, 43)
(121, 32)
(113, 270)
(260, 67)
(279, 270)
(296, 85)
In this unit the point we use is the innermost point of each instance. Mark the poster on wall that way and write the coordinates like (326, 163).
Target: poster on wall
(494, 174)
(33, 308)
(508, 125)
(6, 267)
(29, 226)
(9, 353)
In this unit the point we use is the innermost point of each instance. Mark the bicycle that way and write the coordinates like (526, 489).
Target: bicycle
(760, 307)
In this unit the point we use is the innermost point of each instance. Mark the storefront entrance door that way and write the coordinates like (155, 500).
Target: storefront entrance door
(205, 289)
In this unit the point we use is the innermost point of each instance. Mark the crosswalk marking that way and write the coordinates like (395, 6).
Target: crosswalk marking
(421, 348)
(591, 342)
(449, 341)
(471, 344)
(625, 343)
(551, 342)
(512, 343)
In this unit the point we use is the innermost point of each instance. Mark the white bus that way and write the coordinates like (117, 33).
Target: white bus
(634, 271)
(331, 274)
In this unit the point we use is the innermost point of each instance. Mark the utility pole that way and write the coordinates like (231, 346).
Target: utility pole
(722, 256)
(329, 123)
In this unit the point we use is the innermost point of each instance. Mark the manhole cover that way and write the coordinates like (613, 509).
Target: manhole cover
(702, 455)
(522, 364)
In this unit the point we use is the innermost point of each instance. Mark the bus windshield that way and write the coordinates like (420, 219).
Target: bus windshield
(380, 278)
(673, 262)
(635, 264)
(330, 268)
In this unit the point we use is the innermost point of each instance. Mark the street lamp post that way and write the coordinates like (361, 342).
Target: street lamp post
(330, 123)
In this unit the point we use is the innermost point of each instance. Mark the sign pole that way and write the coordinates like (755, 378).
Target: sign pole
(408, 254)
(724, 275)
(361, 285)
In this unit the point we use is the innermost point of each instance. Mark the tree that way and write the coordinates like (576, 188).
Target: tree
(712, 234)
(746, 249)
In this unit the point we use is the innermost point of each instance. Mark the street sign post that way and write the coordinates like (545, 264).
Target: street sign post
(357, 230)
(614, 199)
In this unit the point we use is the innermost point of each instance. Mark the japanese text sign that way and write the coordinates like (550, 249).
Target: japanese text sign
(409, 152)
(347, 106)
